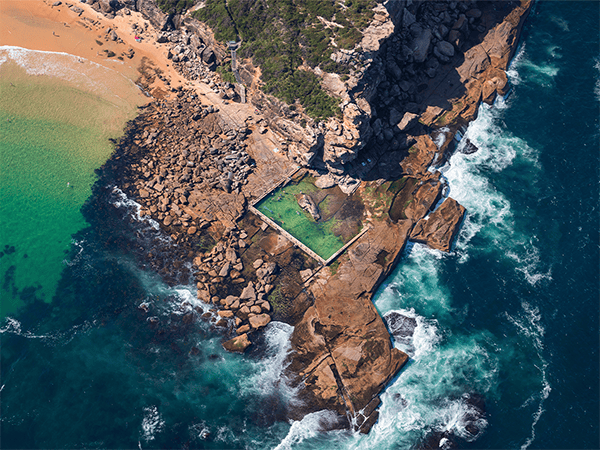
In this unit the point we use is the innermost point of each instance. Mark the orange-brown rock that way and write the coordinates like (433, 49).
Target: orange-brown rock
(343, 354)
(237, 344)
(439, 229)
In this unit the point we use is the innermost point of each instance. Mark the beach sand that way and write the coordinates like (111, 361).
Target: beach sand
(37, 25)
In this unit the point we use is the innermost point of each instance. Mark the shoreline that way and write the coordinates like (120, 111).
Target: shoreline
(332, 310)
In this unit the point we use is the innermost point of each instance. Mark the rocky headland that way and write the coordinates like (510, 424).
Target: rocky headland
(195, 159)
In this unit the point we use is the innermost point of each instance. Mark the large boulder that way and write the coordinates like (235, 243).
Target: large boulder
(238, 344)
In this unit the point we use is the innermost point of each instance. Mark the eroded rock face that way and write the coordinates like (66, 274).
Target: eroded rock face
(440, 228)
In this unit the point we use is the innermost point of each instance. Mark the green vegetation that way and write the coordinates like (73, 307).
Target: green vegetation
(278, 301)
(282, 35)
(174, 6)
(226, 73)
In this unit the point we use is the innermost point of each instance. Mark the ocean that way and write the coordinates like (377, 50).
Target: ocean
(507, 323)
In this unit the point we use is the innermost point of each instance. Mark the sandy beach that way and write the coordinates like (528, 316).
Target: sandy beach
(37, 25)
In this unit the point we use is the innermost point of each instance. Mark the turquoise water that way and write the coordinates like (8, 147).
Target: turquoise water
(510, 317)
(52, 137)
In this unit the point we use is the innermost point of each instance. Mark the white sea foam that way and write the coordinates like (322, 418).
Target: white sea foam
(13, 326)
(427, 395)
(489, 214)
(268, 372)
(309, 427)
(122, 201)
(152, 423)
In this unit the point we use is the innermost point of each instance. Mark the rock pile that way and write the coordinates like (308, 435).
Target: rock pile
(221, 273)
(182, 158)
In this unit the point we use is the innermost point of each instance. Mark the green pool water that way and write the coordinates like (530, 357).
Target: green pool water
(281, 206)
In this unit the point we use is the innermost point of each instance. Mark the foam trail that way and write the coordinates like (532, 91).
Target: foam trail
(529, 325)
(309, 427)
(597, 87)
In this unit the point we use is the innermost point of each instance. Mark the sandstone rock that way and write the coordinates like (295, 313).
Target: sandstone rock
(407, 19)
(225, 269)
(408, 122)
(255, 309)
(325, 181)
(243, 329)
(306, 274)
(395, 117)
(248, 293)
(243, 312)
(257, 263)
(229, 300)
(225, 314)
(192, 230)
(204, 295)
(420, 45)
(237, 344)
(259, 321)
(439, 230)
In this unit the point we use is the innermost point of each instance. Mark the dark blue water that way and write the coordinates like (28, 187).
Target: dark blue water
(507, 323)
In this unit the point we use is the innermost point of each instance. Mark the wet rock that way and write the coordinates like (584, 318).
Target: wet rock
(238, 344)
(467, 147)
(440, 228)
(399, 325)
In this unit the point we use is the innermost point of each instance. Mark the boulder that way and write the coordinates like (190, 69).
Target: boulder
(243, 329)
(307, 203)
(325, 181)
(225, 269)
(259, 321)
(248, 293)
(408, 122)
(445, 48)
(420, 45)
(238, 344)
